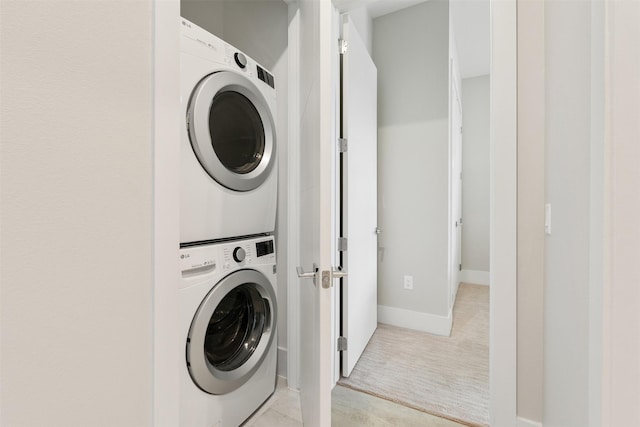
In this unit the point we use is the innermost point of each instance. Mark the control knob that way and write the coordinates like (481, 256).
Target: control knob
(239, 254)
(241, 60)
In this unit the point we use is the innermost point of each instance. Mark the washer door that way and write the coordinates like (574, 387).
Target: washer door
(232, 131)
(232, 332)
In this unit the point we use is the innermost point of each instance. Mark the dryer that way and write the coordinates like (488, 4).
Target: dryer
(228, 142)
(228, 317)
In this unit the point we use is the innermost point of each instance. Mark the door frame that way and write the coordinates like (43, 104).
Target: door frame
(168, 348)
(503, 211)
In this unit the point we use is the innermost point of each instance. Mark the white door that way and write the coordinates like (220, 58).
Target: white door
(317, 144)
(456, 189)
(359, 196)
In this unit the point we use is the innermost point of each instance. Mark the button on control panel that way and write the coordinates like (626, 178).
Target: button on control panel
(239, 254)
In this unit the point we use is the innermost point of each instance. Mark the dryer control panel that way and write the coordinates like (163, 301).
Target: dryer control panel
(225, 256)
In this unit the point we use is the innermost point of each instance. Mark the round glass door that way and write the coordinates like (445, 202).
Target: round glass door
(232, 131)
(235, 328)
(232, 332)
(236, 132)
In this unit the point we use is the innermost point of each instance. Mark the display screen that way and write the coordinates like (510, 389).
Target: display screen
(264, 248)
(265, 76)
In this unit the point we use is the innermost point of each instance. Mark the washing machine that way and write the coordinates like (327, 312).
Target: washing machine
(228, 317)
(228, 140)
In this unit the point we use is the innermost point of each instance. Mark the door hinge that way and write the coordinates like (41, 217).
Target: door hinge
(460, 220)
(342, 144)
(342, 244)
(343, 46)
(459, 267)
(460, 129)
(342, 343)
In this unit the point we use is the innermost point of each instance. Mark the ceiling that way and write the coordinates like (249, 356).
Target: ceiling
(470, 20)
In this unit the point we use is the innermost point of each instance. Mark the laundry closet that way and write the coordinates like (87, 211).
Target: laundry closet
(259, 29)
(232, 292)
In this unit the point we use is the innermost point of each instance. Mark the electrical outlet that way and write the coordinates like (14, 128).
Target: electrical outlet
(408, 282)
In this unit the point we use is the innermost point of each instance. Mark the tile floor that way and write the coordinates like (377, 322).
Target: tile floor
(281, 409)
(349, 408)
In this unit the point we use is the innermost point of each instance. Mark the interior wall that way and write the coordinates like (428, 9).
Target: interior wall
(259, 29)
(362, 20)
(475, 173)
(567, 157)
(76, 213)
(621, 295)
(413, 156)
(531, 200)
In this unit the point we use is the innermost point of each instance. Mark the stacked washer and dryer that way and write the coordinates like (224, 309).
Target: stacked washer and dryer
(228, 303)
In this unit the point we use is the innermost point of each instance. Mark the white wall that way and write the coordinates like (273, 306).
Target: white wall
(362, 20)
(621, 294)
(76, 213)
(568, 144)
(411, 51)
(475, 174)
(259, 29)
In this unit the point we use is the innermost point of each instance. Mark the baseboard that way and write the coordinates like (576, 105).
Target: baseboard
(475, 277)
(523, 422)
(418, 321)
(282, 362)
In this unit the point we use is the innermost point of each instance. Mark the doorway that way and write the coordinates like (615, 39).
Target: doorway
(422, 196)
(311, 18)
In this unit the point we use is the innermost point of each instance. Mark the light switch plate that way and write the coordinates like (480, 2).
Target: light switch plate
(547, 219)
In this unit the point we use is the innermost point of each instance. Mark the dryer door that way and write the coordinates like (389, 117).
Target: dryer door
(232, 332)
(232, 131)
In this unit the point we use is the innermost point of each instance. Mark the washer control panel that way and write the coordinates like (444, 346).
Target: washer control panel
(225, 256)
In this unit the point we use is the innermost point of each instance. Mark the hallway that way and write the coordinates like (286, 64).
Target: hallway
(445, 376)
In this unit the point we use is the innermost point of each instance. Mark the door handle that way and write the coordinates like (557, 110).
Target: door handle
(308, 274)
(328, 276)
(337, 273)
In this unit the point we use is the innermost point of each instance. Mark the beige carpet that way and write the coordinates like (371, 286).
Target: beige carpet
(445, 376)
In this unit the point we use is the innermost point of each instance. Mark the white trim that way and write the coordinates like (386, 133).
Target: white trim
(455, 295)
(524, 422)
(418, 321)
(597, 187)
(503, 213)
(293, 194)
(166, 201)
(336, 312)
(474, 277)
(282, 362)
